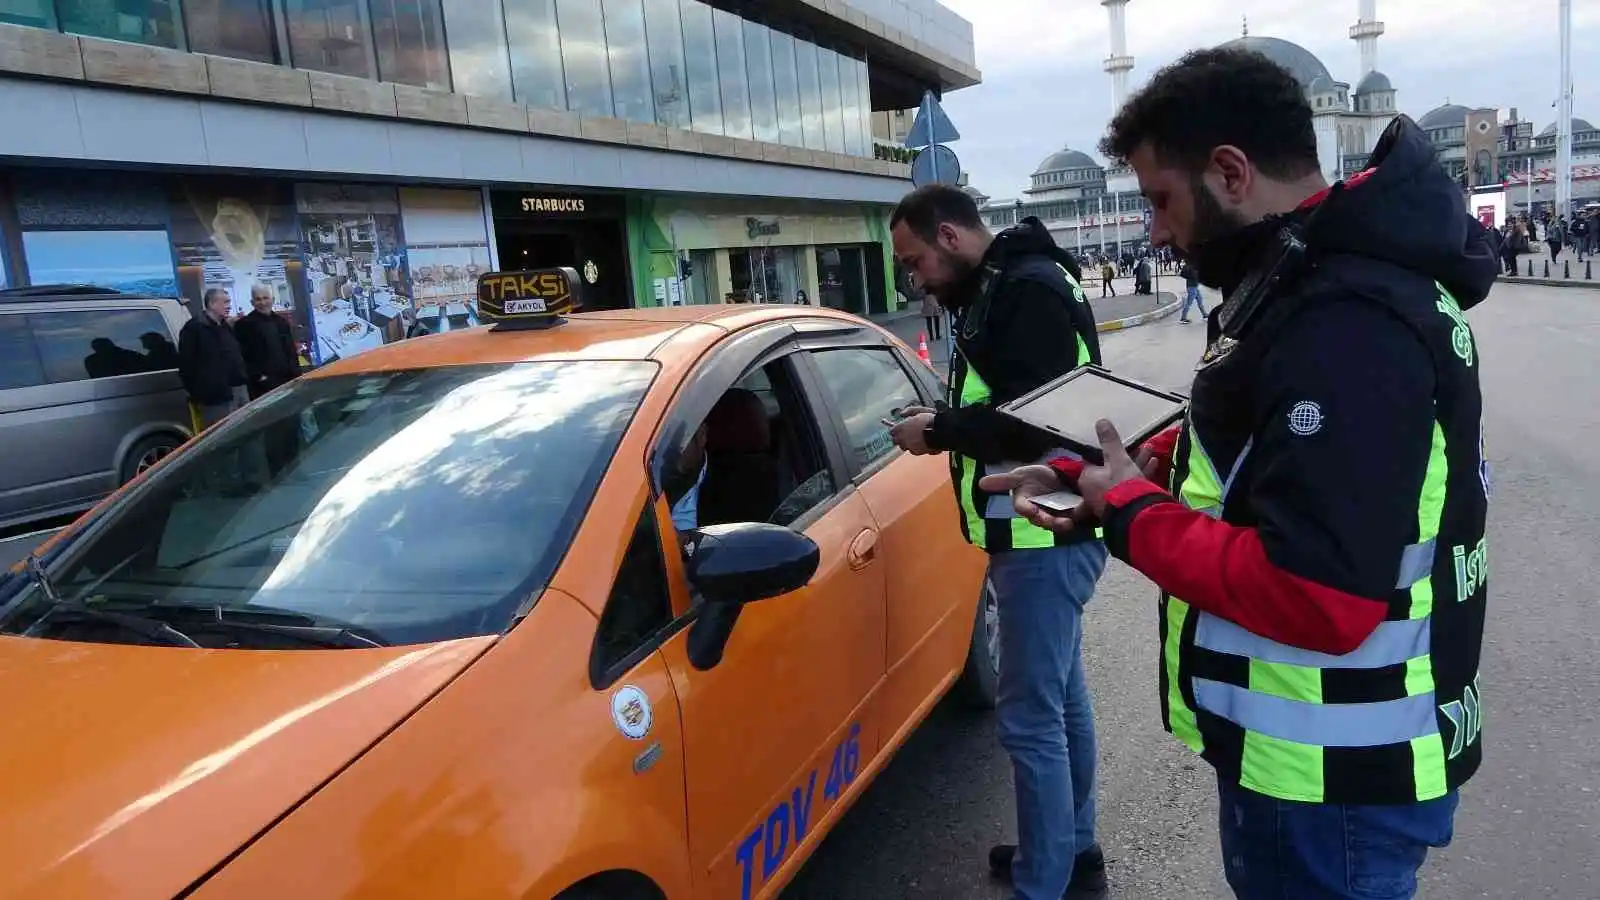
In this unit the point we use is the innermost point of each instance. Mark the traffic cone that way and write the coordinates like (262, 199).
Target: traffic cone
(922, 349)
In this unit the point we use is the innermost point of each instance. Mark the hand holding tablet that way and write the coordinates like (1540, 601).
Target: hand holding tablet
(1066, 410)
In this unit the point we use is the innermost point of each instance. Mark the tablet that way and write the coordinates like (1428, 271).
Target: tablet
(1067, 408)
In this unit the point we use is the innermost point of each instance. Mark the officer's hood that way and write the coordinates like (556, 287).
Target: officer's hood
(1408, 211)
(1028, 238)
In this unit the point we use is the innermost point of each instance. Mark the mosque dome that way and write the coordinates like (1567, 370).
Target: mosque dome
(1446, 116)
(1577, 126)
(1066, 159)
(1373, 83)
(1301, 63)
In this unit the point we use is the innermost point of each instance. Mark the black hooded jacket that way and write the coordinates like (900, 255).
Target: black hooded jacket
(1018, 324)
(1338, 445)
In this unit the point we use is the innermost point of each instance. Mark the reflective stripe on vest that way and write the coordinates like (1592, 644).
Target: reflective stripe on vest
(997, 507)
(1287, 726)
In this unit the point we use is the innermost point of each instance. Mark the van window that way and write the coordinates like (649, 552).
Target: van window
(102, 343)
(19, 361)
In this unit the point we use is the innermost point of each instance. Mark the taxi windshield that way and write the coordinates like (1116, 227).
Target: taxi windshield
(369, 509)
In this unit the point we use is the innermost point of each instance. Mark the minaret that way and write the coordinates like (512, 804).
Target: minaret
(1365, 33)
(1119, 63)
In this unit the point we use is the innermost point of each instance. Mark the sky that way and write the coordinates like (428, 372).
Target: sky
(1043, 86)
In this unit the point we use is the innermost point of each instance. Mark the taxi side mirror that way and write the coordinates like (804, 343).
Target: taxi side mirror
(731, 565)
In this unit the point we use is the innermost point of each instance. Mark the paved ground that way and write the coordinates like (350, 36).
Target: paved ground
(1568, 269)
(1530, 822)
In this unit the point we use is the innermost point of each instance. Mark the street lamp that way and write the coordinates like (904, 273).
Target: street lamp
(1019, 212)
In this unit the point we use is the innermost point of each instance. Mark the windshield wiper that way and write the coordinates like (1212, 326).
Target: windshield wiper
(149, 628)
(284, 623)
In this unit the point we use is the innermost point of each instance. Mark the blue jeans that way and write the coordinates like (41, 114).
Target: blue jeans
(1045, 723)
(1280, 849)
(1192, 297)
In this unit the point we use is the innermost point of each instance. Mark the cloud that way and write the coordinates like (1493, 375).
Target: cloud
(1044, 87)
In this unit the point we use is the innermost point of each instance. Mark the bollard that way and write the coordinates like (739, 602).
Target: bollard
(1547, 268)
(1566, 268)
(1588, 270)
(1530, 267)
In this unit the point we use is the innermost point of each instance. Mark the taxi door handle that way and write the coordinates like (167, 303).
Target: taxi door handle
(863, 549)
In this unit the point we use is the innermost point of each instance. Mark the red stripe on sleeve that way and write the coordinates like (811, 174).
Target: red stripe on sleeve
(1223, 569)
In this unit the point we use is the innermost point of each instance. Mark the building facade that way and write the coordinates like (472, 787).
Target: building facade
(367, 159)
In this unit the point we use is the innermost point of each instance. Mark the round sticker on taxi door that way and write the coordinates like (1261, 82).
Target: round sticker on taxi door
(630, 710)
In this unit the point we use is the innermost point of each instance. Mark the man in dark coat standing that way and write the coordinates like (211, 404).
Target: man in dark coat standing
(209, 361)
(266, 339)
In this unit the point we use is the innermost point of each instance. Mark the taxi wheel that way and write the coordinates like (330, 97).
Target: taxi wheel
(979, 685)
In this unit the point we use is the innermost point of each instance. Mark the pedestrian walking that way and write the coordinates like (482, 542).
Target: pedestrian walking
(1191, 292)
(1316, 526)
(1107, 272)
(1555, 237)
(1020, 320)
(210, 363)
(267, 344)
(932, 316)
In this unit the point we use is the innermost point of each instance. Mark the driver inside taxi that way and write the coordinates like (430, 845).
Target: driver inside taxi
(728, 471)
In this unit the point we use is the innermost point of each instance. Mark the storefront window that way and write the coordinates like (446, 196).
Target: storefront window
(478, 59)
(583, 57)
(330, 36)
(703, 283)
(133, 261)
(410, 39)
(865, 86)
(832, 100)
(763, 96)
(241, 29)
(536, 76)
(731, 75)
(700, 55)
(149, 22)
(630, 63)
(841, 279)
(664, 36)
(786, 84)
(805, 58)
(32, 13)
(850, 107)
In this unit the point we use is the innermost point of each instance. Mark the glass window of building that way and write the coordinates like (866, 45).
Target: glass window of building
(330, 36)
(148, 22)
(763, 93)
(806, 67)
(731, 74)
(700, 55)
(241, 29)
(832, 100)
(479, 63)
(669, 79)
(32, 13)
(864, 93)
(583, 57)
(850, 106)
(536, 70)
(409, 35)
(630, 63)
(786, 84)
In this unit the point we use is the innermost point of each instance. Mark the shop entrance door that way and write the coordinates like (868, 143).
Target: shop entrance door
(841, 280)
(594, 249)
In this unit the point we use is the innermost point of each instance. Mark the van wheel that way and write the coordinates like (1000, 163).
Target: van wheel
(979, 685)
(147, 453)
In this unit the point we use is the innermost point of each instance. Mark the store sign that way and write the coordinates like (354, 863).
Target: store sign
(757, 228)
(553, 205)
(536, 298)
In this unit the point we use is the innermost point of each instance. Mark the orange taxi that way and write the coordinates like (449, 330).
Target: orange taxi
(437, 621)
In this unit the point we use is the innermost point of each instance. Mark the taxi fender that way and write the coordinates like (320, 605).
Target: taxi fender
(639, 840)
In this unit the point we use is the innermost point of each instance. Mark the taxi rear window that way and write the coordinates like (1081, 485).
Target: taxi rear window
(406, 506)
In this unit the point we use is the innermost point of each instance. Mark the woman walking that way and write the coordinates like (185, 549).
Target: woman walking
(932, 316)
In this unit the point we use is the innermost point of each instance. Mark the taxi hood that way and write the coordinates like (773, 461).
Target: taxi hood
(132, 771)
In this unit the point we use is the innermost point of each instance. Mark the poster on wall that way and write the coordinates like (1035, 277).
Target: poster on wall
(240, 236)
(96, 228)
(355, 266)
(447, 248)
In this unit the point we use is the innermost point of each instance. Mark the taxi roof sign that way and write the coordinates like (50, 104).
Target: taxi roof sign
(533, 298)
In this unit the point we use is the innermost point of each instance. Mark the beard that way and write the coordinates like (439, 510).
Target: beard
(953, 287)
(1215, 247)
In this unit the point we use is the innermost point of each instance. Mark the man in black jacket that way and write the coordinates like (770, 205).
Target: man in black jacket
(209, 361)
(1020, 320)
(266, 340)
(1316, 527)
